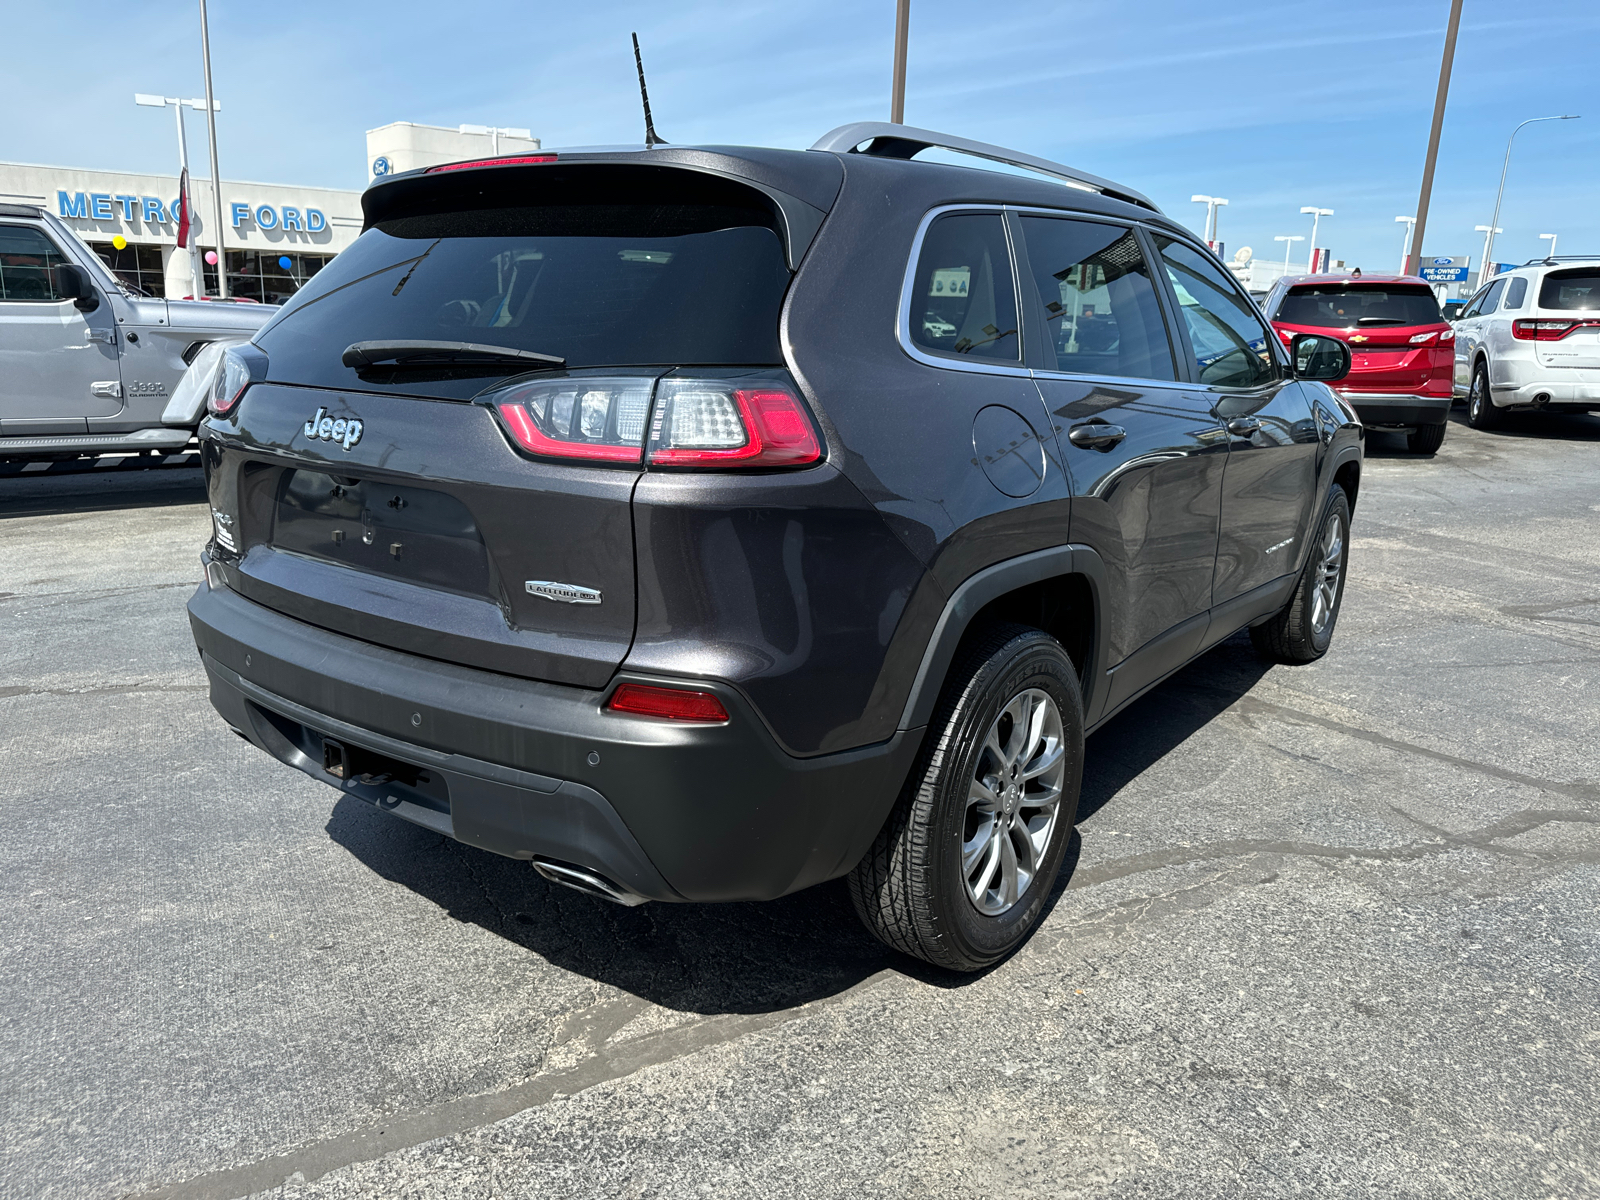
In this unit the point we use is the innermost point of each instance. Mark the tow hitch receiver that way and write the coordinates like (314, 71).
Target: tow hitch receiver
(334, 760)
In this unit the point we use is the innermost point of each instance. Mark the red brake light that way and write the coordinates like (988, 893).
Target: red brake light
(673, 704)
(1548, 331)
(492, 162)
(702, 423)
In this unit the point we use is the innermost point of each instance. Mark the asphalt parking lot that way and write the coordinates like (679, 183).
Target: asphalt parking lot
(1330, 929)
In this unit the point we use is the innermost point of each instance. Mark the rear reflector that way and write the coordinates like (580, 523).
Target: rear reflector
(674, 704)
(492, 162)
(1549, 331)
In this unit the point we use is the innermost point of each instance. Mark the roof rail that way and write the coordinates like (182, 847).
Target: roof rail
(21, 210)
(884, 140)
(1560, 258)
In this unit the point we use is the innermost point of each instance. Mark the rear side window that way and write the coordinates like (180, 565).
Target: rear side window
(1099, 300)
(595, 284)
(1344, 305)
(1517, 292)
(27, 264)
(1231, 344)
(1491, 298)
(1571, 290)
(963, 298)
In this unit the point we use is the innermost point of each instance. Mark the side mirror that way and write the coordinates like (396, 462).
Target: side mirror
(72, 282)
(1320, 357)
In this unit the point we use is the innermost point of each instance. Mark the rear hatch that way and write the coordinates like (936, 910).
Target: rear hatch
(1566, 331)
(440, 452)
(1399, 341)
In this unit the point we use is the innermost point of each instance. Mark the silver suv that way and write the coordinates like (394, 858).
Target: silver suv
(89, 364)
(1530, 340)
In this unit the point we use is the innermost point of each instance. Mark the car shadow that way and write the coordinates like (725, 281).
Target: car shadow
(45, 495)
(1540, 426)
(756, 957)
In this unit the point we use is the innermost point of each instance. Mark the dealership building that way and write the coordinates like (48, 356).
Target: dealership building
(274, 237)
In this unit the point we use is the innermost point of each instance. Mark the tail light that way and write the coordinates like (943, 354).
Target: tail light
(673, 704)
(1285, 336)
(709, 423)
(510, 161)
(1448, 335)
(233, 376)
(1548, 330)
(599, 420)
(702, 423)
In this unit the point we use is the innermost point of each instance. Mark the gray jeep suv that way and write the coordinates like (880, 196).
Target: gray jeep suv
(703, 523)
(87, 365)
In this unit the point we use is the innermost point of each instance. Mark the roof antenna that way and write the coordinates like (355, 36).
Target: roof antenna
(651, 140)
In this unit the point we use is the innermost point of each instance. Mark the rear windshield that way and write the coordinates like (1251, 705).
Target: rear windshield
(1570, 290)
(1341, 305)
(599, 285)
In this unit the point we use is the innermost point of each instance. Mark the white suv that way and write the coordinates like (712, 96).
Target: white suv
(1530, 340)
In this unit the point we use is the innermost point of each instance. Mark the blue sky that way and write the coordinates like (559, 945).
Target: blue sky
(1274, 105)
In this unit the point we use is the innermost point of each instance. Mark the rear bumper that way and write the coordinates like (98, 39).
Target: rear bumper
(1393, 408)
(1577, 393)
(668, 811)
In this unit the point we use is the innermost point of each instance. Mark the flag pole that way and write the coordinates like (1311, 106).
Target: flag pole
(216, 175)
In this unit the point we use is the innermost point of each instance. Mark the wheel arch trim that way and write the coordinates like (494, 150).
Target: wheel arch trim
(989, 584)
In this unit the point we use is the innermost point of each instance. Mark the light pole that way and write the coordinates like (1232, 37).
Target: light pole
(1552, 238)
(496, 132)
(1288, 249)
(1316, 215)
(1405, 246)
(1446, 63)
(1488, 232)
(216, 175)
(149, 101)
(1212, 203)
(1495, 220)
(897, 87)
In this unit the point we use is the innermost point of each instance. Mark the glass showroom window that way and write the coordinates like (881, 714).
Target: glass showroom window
(267, 276)
(139, 266)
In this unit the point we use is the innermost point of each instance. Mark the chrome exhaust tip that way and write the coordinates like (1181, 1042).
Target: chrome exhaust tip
(591, 882)
(1541, 399)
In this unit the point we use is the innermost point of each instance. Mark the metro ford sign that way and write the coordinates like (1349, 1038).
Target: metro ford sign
(103, 206)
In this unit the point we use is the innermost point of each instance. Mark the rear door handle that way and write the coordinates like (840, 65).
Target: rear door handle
(1243, 426)
(1096, 435)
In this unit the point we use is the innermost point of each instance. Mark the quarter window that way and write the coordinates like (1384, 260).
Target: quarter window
(1517, 292)
(1232, 347)
(963, 299)
(1099, 301)
(28, 261)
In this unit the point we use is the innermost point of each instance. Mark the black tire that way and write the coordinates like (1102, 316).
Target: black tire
(1295, 635)
(1426, 439)
(910, 890)
(1481, 412)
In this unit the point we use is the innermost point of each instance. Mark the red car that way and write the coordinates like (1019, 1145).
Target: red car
(1403, 350)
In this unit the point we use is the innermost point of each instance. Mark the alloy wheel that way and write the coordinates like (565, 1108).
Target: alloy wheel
(1329, 569)
(1012, 801)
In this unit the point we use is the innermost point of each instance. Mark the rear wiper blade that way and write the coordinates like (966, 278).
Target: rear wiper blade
(431, 354)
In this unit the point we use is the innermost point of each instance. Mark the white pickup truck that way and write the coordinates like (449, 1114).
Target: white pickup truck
(89, 366)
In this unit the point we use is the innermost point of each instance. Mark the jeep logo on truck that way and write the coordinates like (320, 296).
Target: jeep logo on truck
(344, 430)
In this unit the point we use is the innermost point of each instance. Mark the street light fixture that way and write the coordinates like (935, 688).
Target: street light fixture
(1405, 246)
(1552, 238)
(1212, 203)
(149, 101)
(496, 132)
(1488, 244)
(1288, 249)
(1316, 215)
(1488, 232)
